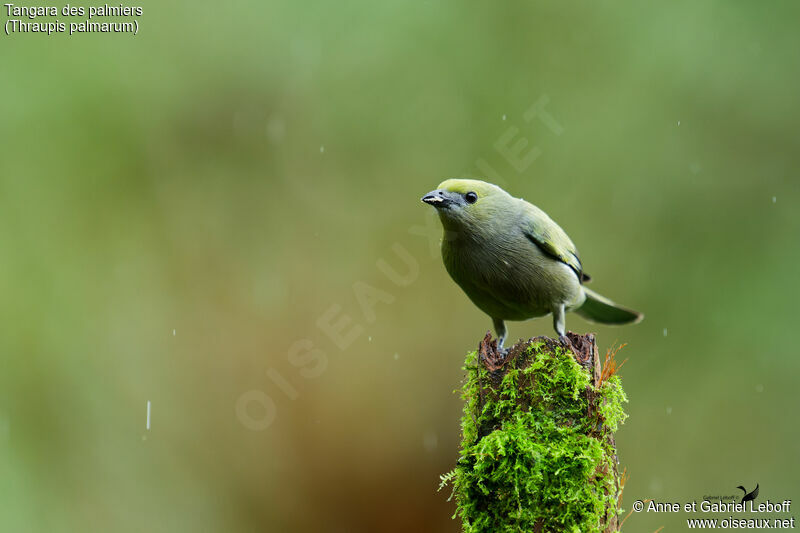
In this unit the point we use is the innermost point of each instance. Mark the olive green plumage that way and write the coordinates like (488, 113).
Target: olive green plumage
(512, 260)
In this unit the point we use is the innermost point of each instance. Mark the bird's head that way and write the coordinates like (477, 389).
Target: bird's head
(464, 204)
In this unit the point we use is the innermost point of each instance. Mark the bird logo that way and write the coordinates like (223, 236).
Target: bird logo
(748, 496)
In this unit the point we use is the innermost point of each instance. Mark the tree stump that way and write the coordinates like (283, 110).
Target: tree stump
(538, 451)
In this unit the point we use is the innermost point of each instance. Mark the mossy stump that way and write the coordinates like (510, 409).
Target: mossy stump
(538, 451)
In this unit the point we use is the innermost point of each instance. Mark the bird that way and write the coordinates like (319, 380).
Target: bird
(747, 497)
(513, 261)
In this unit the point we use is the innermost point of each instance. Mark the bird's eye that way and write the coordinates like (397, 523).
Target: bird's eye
(471, 197)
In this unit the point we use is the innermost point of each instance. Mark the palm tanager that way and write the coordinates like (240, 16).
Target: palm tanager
(512, 260)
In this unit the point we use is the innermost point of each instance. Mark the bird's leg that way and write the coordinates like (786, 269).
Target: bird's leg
(559, 323)
(500, 329)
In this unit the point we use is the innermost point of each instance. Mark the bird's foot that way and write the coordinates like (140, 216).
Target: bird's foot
(563, 339)
(501, 348)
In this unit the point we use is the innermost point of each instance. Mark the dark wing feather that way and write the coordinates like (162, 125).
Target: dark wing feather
(548, 236)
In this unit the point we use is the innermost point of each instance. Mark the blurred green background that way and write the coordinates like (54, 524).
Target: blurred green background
(178, 209)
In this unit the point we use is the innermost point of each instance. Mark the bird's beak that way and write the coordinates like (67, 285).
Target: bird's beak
(438, 198)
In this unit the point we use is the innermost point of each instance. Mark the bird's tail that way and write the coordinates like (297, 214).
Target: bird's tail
(600, 309)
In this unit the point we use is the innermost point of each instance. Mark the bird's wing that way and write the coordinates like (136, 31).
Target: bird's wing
(548, 236)
(755, 492)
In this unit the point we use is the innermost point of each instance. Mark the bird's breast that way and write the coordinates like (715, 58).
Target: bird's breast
(508, 277)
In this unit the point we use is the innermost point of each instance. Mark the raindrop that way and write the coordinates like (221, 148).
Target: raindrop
(276, 130)
(655, 485)
(430, 441)
(173, 332)
(148, 415)
(504, 117)
(679, 123)
(665, 332)
(759, 388)
(774, 199)
(396, 356)
(369, 338)
(322, 149)
(240, 123)
(669, 410)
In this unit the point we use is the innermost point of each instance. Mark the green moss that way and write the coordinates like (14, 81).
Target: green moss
(535, 445)
(610, 408)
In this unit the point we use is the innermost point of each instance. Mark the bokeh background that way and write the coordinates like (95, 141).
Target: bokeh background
(180, 208)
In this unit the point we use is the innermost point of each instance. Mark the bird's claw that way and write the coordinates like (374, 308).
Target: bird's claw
(563, 339)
